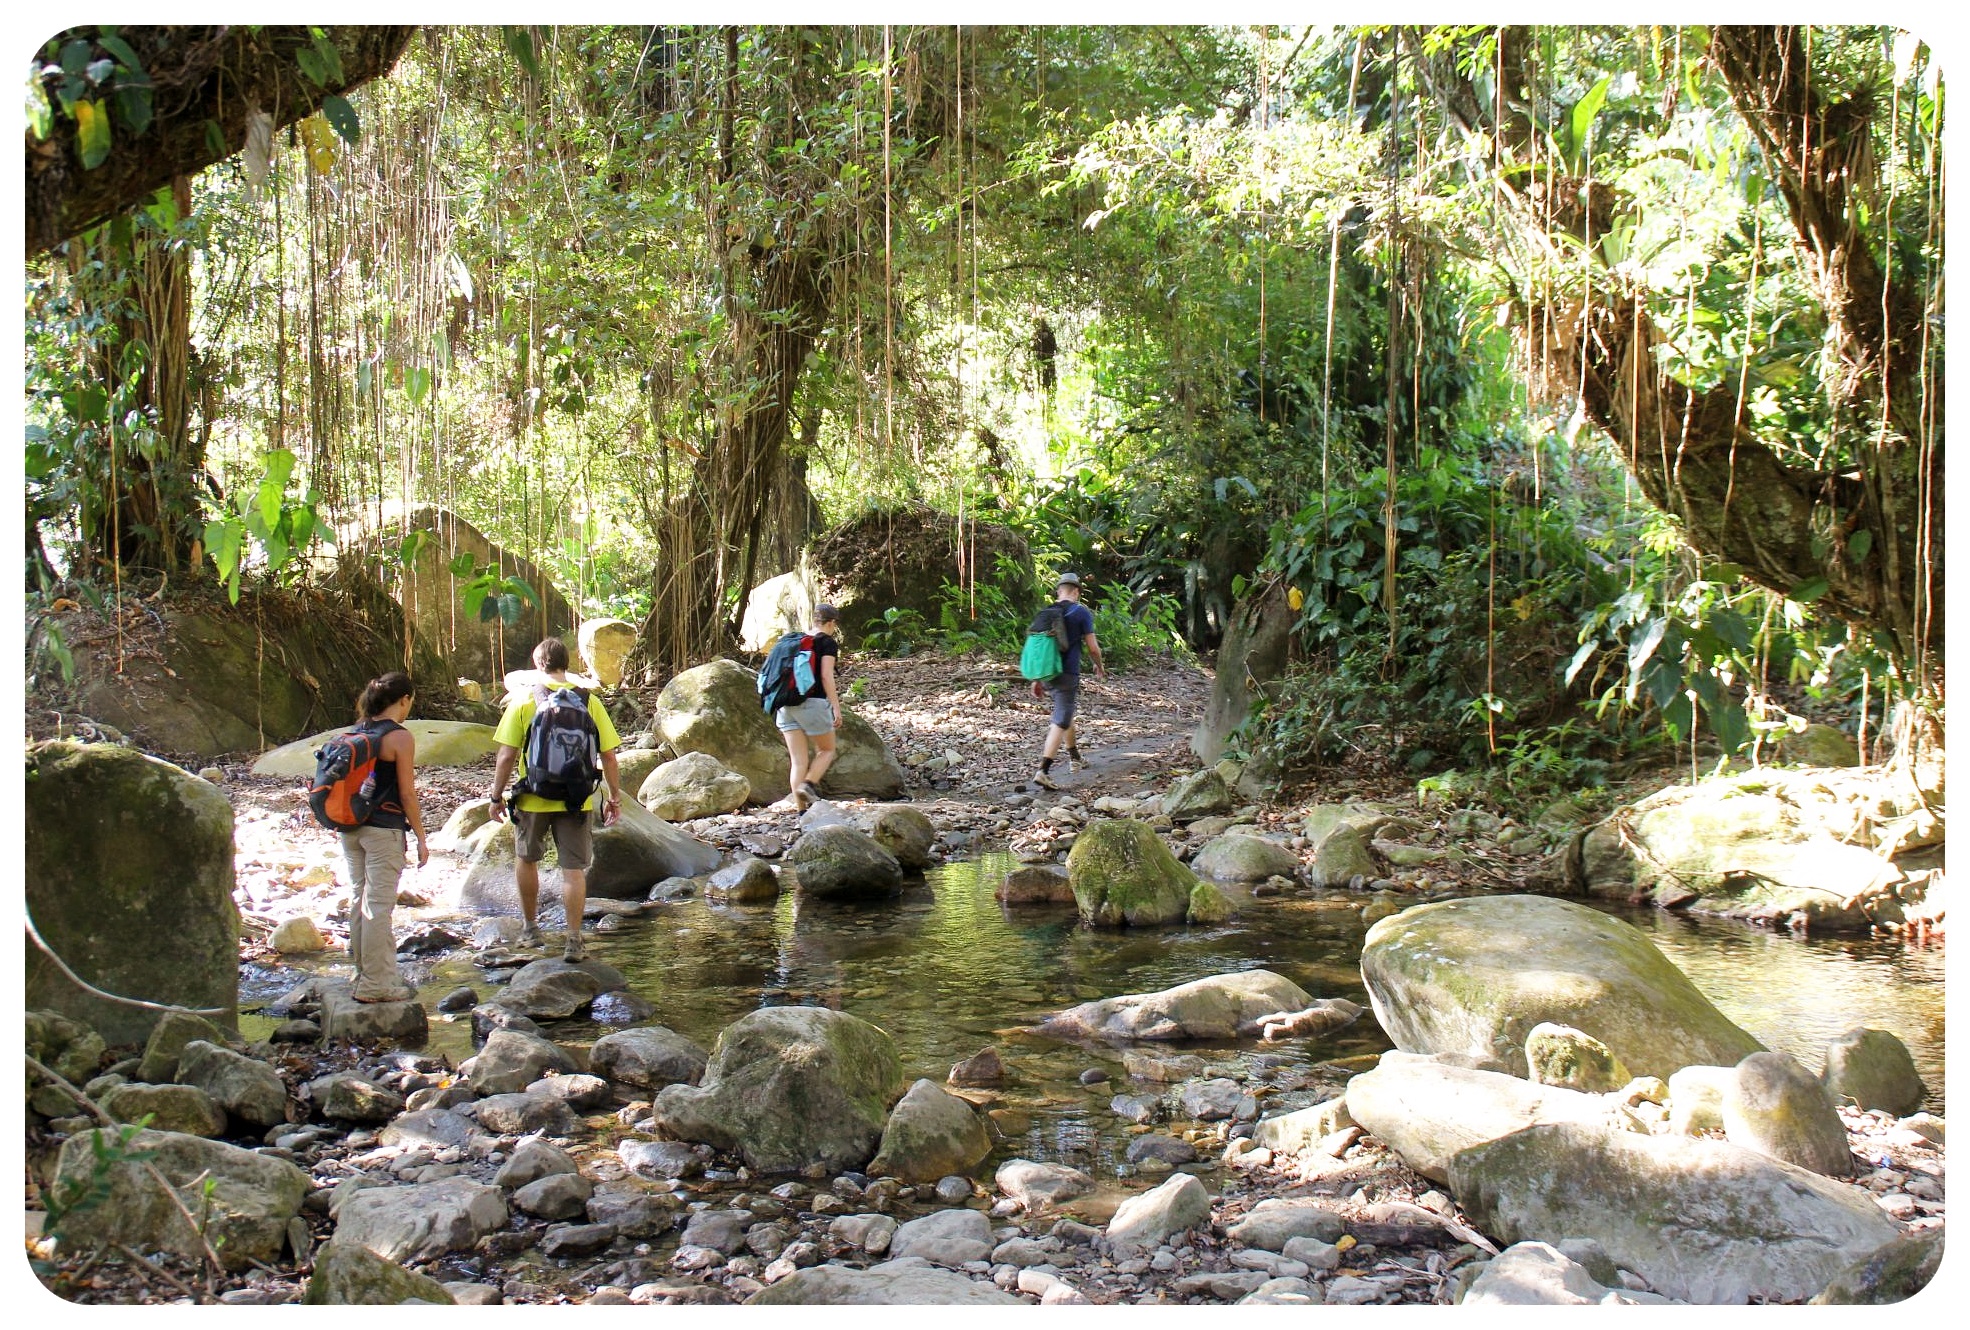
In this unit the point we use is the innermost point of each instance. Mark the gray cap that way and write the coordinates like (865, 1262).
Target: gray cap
(1067, 579)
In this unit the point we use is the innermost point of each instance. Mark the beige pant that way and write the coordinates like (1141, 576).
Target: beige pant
(375, 856)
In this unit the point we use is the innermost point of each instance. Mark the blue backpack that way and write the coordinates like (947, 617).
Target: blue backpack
(789, 672)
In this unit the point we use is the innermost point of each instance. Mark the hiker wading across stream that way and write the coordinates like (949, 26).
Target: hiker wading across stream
(1065, 687)
(568, 746)
(374, 851)
(812, 721)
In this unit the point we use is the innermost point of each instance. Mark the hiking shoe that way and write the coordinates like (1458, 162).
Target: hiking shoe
(1044, 781)
(529, 936)
(1075, 762)
(576, 950)
(808, 792)
(400, 993)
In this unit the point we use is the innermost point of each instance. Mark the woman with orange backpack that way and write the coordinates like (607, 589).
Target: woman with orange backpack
(374, 850)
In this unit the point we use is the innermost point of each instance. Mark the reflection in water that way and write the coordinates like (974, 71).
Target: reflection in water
(946, 970)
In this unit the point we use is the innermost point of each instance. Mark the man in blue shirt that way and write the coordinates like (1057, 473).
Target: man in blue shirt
(1065, 689)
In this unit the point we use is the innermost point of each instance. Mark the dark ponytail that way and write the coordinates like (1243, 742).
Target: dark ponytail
(383, 692)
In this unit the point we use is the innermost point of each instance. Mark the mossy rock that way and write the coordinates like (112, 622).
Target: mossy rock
(789, 1088)
(714, 708)
(693, 786)
(124, 849)
(1775, 1106)
(440, 743)
(66, 1047)
(1208, 905)
(931, 1134)
(1873, 1068)
(1121, 873)
(1475, 976)
(348, 1274)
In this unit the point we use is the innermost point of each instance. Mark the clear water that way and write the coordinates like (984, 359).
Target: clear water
(946, 970)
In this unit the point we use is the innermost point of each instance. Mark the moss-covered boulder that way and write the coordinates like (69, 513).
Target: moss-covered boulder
(1220, 1006)
(167, 1041)
(1775, 1106)
(1121, 873)
(1818, 746)
(440, 743)
(931, 1134)
(789, 1088)
(123, 849)
(1200, 794)
(179, 1108)
(1701, 1221)
(1340, 836)
(634, 765)
(348, 1274)
(1208, 905)
(1573, 1059)
(1894, 1272)
(1766, 845)
(68, 1048)
(714, 708)
(837, 862)
(1454, 977)
(777, 606)
(1250, 660)
(1873, 1068)
(245, 1198)
(693, 786)
(906, 832)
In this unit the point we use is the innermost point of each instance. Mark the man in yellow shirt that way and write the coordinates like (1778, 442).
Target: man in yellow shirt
(535, 816)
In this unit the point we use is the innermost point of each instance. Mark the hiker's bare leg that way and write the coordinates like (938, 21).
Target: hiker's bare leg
(824, 756)
(1056, 736)
(526, 876)
(797, 755)
(574, 895)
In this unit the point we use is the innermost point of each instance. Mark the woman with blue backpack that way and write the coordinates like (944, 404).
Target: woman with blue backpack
(798, 684)
(374, 850)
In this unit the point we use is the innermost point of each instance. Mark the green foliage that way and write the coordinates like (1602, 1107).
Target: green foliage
(1131, 633)
(902, 632)
(281, 527)
(489, 593)
(94, 79)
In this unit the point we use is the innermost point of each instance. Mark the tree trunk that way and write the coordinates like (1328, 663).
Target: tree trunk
(200, 76)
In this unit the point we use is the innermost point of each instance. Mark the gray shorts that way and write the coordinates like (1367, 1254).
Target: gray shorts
(814, 716)
(574, 842)
(1066, 693)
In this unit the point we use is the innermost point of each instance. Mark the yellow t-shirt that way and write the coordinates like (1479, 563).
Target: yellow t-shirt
(512, 733)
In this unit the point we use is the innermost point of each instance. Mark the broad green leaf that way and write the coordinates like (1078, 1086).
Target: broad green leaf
(1731, 629)
(342, 117)
(1859, 544)
(509, 608)
(1580, 121)
(364, 370)
(280, 466)
(488, 607)
(1580, 658)
(1644, 643)
(304, 527)
(98, 70)
(311, 67)
(514, 584)
(461, 565)
(75, 58)
(215, 139)
(331, 59)
(1807, 592)
(412, 546)
(417, 384)
(91, 134)
(133, 107)
(119, 48)
(520, 43)
(266, 507)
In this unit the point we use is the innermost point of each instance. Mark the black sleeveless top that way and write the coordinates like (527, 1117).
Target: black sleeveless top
(389, 808)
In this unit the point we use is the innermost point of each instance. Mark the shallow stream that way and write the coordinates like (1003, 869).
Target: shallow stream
(946, 970)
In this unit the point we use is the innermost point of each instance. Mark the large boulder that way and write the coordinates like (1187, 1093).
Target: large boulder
(1534, 1274)
(1775, 1106)
(632, 856)
(1251, 657)
(902, 557)
(1160, 1213)
(246, 1199)
(906, 832)
(1218, 1007)
(551, 990)
(434, 599)
(1241, 858)
(180, 1108)
(421, 1222)
(1426, 1111)
(344, 1018)
(714, 708)
(1452, 977)
(777, 606)
(692, 786)
(1873, 1068)
(440, 743)
(1700, 1220)
(948, 1237)
(604, 644)
(123, 849)
(1121, 873)
(1764, 846)
(1894, 1272)
(744, 881)
(913, 1282)
(843, 863)
(348, 1274)
(1340, 837)
(166, 1044)
(931, 1134)
(208, 684)
(788, 1088)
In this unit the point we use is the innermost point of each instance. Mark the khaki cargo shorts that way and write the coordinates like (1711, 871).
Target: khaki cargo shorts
(574, 842)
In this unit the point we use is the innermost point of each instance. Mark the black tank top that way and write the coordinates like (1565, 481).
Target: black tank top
(389, 808)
